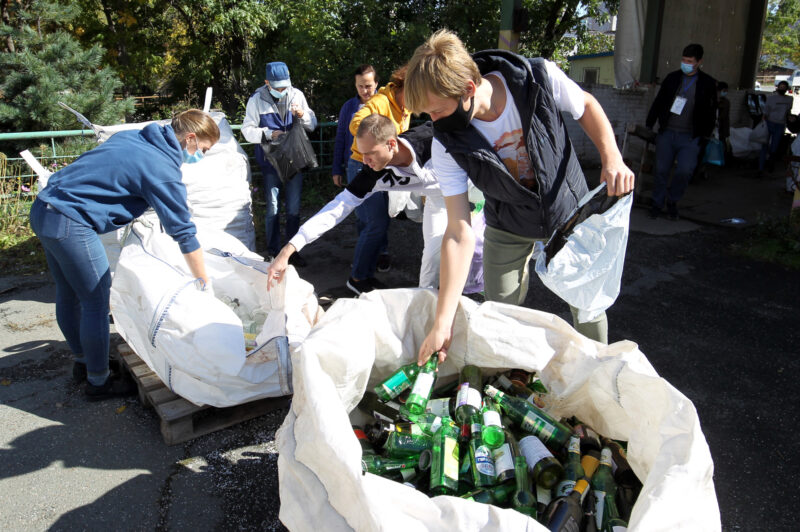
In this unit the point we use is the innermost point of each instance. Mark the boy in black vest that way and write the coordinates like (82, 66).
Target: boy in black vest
(497, 121)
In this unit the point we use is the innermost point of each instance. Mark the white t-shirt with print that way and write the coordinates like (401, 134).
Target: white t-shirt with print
(505, 135)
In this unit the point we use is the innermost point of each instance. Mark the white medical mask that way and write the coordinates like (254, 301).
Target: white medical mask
(278, 95)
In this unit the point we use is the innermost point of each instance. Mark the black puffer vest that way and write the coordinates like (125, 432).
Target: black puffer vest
(560, 181)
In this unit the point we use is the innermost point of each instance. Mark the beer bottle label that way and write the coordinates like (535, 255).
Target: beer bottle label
(599, 507)
(536, 425)
(451, 458)
(565, 488)
(534, 450)
(503, 461)
(396, 384)
(483, 461)
(491, 418)
(468, 396)
(440, 407)
(423, 385)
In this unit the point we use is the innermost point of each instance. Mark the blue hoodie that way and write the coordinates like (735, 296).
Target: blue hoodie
(109, 186)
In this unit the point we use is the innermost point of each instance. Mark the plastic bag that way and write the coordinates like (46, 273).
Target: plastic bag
(582, 262)
(613, 388)
(291, 153)
(760, 133)
(715, 153)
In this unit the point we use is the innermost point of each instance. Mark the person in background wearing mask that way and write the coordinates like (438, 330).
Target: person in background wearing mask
(103, 190)
(723, 113)
(270, 112)
(686, 110)
(776, 110)
(366, 85)
(497, 121)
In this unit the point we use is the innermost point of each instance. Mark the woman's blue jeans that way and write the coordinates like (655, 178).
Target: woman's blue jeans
(291, 192)
(80, 269)
(373, 225)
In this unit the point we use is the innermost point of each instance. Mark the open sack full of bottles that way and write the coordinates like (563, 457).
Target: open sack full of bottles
(221, 347)
(527, 425)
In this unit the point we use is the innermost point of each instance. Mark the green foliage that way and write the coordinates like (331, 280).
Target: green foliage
(48, 65)
(780, 43)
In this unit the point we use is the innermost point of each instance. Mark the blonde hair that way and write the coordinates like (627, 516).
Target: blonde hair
(197, 122)
(380, 127)
(441, 66)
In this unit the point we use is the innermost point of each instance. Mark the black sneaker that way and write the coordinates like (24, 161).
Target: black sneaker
(384, 262)
(358, 287)
(114, 386)
(297, 261)
(79, 371)
(672, 211)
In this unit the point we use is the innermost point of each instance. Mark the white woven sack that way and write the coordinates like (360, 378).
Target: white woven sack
(613, 388)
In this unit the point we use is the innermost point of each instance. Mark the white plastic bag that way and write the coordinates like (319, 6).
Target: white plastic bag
(612, 388)
(191, 339)
(586, 272)
(760, 133)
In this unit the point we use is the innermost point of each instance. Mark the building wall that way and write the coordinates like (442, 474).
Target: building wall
(631, 107)
(605, 64)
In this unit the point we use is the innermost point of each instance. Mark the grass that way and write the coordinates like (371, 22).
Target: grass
(776, 241)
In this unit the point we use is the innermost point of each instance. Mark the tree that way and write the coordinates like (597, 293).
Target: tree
(48, 65)
(552, 20)
(780, 43)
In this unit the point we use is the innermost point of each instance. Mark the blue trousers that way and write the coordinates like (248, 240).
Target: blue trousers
(291, 193)
(672, 146)
(80, 269)
(373, 222)
(775, 133)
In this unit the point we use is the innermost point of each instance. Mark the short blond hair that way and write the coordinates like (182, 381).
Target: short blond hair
(380, 127)
(441, 66)
(197, 122)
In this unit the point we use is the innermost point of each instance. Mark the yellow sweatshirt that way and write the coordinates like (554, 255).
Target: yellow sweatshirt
(384, 104)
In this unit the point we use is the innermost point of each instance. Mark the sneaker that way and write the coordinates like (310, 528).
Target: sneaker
(297, 261)
(384, 262)
(114, 386)
(358, 287)
(79, 371)
(672, 211)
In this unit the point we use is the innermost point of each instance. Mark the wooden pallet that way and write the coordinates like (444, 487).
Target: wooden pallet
(182, 420)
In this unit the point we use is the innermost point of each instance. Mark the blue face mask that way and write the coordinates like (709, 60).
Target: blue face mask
(687, 68)
(723, 93)
(278, 95)
(194, 157)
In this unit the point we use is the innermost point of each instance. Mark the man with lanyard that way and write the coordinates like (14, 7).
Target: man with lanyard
(686, 110)
(497, 121)
(392, 162)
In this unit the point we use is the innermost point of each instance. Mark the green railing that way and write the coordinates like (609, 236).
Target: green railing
(323, 139)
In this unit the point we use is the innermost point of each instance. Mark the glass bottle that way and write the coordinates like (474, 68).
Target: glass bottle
(468, 400)
(444, 465)
(480, 455)
(504, 455)
(531, 419)
(573, 471)
(493, 435)
(397, 382)
(423, 386)
(366, 446)
(565, 513)
(374, 407)
(523, 500)
(382, 465)
(543, 466)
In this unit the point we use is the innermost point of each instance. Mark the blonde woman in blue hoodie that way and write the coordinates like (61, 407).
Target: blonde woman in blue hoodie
(102, 190)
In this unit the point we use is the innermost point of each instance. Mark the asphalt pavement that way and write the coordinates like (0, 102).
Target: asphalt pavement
(719, 327)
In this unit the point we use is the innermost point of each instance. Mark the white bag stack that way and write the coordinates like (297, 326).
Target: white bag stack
(192, 340)
(612, 388)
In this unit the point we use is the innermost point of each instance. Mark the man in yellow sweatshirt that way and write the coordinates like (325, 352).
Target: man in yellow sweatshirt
(370, 252)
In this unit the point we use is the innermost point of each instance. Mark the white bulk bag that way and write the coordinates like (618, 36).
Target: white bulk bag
(612, 388)
(193, 341)
(587, 271)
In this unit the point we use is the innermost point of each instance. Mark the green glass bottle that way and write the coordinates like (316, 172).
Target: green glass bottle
(397, 382)
(543, 466)
(399, 439)
(445, 462)
(374, 407)
(382, 465)
(495, 495)
(468, 400)
(523, 500)
(605, 487)
(423, 386)
(573, 471)
(366, 446)
(504, 455)
(628, 484)
(480, 456)
(493, 435)
(531, 419)
(442, 407)
(427, 422)
(465, 481)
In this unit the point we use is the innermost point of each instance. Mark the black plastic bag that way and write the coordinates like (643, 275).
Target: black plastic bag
(291, 153)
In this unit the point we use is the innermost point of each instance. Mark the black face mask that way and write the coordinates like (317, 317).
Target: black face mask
(457, 121)
(781, 91)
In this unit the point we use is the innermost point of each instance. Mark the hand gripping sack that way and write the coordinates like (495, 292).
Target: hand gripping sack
(582, 262)
(291, 153)
(192, 340)
(358, 343)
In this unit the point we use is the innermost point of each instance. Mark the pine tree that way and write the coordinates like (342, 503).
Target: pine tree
(45, 65)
